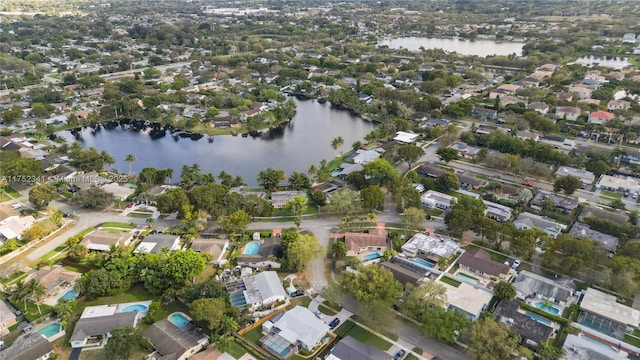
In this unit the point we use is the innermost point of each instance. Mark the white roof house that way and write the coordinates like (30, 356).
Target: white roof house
(527, 220)
(617, 183)
(300, 325)
(606, 306)
(118, 191)
(587, 177)
(405, 137)
(263, 289)
(430, 245)
(433, 199)
(365, 156)
(157, 242)
(471, 300)
(15, 227)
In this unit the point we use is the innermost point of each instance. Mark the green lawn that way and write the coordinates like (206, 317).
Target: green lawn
(411, 357)
(254, 335)
(138, 215)
(136, 293)
(325, 310)
(85, 231)
(7, 193)
(632, 340)
(236, 349)
(611, 194)
(14, 278)
(32, 310)
(76, 269)
(303, 301)
(118, 225)
(450, 281)
(349, 328)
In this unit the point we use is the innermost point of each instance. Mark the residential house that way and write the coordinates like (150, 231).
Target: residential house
(591, 102)
(486, 129)
(548, 69)
(279, 199)
(31, 346)
(101, 240)
(564, 96)
(570, 113)
(533, 286)
(484, 114)
(618, 216)
(466, 151)
(470, 182)
(118, 191)
(532, 332)
(582, 347)
(527, 220)
(14, 227)
(406, 271)
(225, 122)
(586, 177)
(600, 117)
(7, 318)
(539, 107)
(430, 170)
(499, 93)
(497, 212)
(297, 329)
(433, 122)
(583, 92)
(528, 135)
(478, 261)
(562, 203)
(405, 137)
(618, 105)
(267, 257)
(529, 81)
(436, 200)
(430, 247)
(351, 349)
(612, 183)
(262, 289)
(602, 312)
(156, 243)
(373, 240)
(54, 278)
(94, 327)
(510, 100)
(608, 242)
(175, 343)
(365, 156)
(468, 299)
(629, 38)
(82, 181)
(558, 142)
(213, 248)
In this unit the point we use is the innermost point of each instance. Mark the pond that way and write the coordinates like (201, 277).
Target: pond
(483, 47)
(293, 147)
(613, 62)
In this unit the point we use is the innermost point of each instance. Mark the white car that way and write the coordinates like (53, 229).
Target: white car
(515, 264)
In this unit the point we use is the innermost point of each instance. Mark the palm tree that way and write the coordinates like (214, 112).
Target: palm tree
(19, 293)
(130, 159)
(37, 292)
(3, 184)
(337, 142)
(372, 217)
(312, 171)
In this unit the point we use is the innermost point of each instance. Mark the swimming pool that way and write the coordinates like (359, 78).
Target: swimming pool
(179, 320)
(251, 248)
(135, 307)
(371, 256)
(50, 330)
(550, 309)
(592, 340)
(423, 262)
(538, 318)
(69, 295)
(467, 278)
(130, 186)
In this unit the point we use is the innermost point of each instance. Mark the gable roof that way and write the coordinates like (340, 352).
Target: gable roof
(101, 325)
(52, 276)
(155, 243)
(480, 260)
(351, 349)
(618, 217)
(102, 240)
(209, 246)
(530, 284)
(601, 115)
(27, 347)
(375, 237)
(262, 286)
(526, 327)
(171, 341)
(299, 324)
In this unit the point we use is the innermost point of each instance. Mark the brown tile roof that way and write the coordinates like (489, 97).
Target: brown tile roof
(480, 260)
(375, 237)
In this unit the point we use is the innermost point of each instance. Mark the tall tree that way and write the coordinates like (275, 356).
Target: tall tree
(337, 142)
(123, 342)
(236, 223)
(489, 340)
(41, 195)
(130, 159)
(270, 178)
(504, 290)
(372, 197)
(568, 184)
(36, 292)
(381, 172)
(297, 206)
(410, 153)
(299, 180)
(448, 181)
(464, 215)
(301, 250)
(447, 154)
(371, 284)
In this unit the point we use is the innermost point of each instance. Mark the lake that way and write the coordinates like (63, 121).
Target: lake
(613, 62)
(479, 47)
(293, 147)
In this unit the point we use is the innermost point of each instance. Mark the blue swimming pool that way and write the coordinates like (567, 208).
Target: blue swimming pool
(130, 186)
(50, 330)
(135, 307)
(467, 278)
(371, 256)
(538, 318)
(251, 248)
(178, 320)
(69, 295)
(550, 309)
(592, 340)
(423, 262)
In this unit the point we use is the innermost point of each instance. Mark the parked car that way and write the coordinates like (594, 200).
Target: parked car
(130, 205)
(334, 323)
(515, 264)
(399, 355)
(297, 293)
(318, 314)
(527, 184)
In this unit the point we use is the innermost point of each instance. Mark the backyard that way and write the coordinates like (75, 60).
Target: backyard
(349, 328)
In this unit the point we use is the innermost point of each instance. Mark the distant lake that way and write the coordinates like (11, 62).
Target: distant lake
(292, 147)
(480, 47)
(613, 62)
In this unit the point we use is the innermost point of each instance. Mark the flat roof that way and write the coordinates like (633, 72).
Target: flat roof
(469, 298)
(405, 137)
(434, 244)
(605, 305)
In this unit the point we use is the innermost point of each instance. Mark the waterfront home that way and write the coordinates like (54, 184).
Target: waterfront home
(374, 239)
(602, 312)
(118, 191)
(101, 240)
(156, 243)
(279, 199)
(405, 137)
(478, 261)
(297, 329)
(32, 346)
(527, 220)
(532, 331)
(174, 342)
(365, 156)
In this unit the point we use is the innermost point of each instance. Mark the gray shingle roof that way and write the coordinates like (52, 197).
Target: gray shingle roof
(171, 341)
(352, 349)
(101, 325)
(27, 347)
(529, 284)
